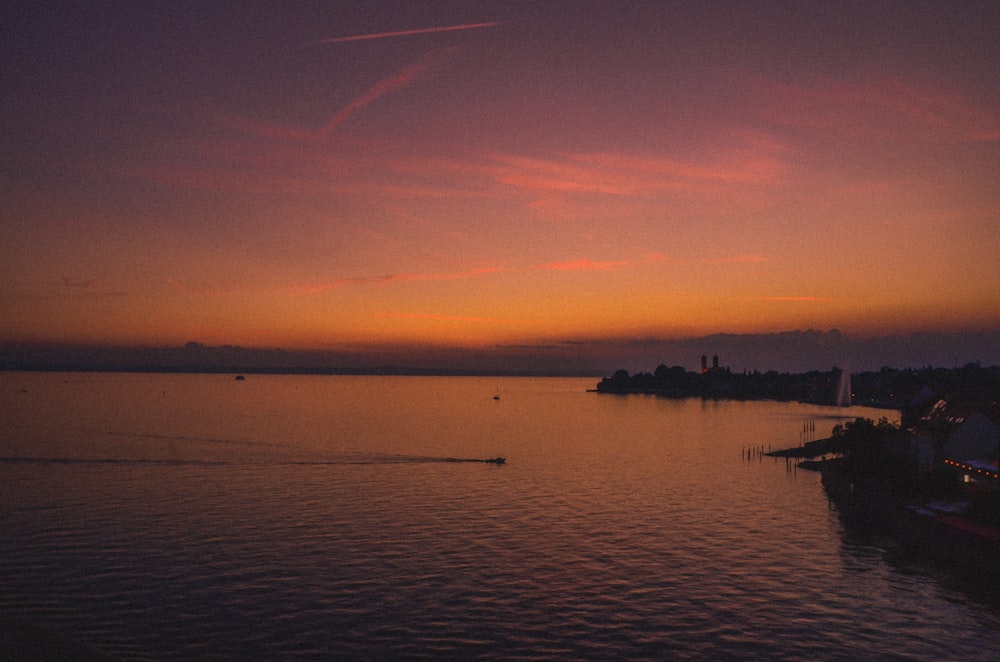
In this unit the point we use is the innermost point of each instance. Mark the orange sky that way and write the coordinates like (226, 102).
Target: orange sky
(482, 174)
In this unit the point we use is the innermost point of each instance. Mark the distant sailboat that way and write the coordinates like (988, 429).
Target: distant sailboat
(496, 396)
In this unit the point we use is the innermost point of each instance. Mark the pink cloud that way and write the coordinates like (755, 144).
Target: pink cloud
(625, 175)
(735, 166)
(220, 178)
(584, 264)
(276, 132)
(205, 290)
(258, 162)
(77, 283)
(662, 258)
(410, 277)
(448, 318)
(791, 299)
(559, 175)
(461, 275)
(581, 265)
(738, 259)
(884, 107)
(315, 288)
(656, 257)
(407, 33)
(399, 80)
(406, 76)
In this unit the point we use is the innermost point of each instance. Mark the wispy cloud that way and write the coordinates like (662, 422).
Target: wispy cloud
(262, 157)
(789, 298)
(663, 258)
(736, 166)
(566, 266)
(882, 107)
(207, 290)
(232, 178)
(404, 77)
(449, 318)
(581, 265)
(81, 284)
(626, 175)
(315, 288)
(460, 275)
(407, 33)
(737, 259)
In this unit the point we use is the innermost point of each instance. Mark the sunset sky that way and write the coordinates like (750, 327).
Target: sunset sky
(338, 175)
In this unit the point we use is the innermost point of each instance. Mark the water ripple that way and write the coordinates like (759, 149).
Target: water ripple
(605, 538)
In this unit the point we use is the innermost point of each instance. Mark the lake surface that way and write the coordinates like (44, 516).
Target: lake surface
(177, 517)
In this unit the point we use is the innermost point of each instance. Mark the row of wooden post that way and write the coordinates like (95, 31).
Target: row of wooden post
(751, 452)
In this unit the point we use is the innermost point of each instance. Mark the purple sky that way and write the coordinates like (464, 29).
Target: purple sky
(367, 176)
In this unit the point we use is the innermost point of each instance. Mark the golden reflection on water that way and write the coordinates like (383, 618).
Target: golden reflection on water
(619, 525)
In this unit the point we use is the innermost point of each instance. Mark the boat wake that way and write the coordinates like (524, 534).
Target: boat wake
(379, 458)
(348, 459)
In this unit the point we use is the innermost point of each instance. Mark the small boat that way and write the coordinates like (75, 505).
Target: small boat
(240, 378)
(496, 460)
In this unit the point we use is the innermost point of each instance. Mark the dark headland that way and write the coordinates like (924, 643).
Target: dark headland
(888, 388)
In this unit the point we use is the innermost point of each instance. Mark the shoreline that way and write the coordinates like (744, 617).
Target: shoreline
(924, 527)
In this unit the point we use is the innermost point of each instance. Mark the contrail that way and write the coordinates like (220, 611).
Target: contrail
(406, 33)
(405, 77)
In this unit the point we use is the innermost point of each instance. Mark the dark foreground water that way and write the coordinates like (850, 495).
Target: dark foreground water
(176, 517)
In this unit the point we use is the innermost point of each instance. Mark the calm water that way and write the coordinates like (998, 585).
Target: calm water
(170, 517)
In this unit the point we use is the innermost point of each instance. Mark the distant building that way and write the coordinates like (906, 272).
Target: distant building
(963, 439)
(715, 365)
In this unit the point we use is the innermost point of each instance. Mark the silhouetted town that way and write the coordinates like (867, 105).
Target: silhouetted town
(888, 388)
